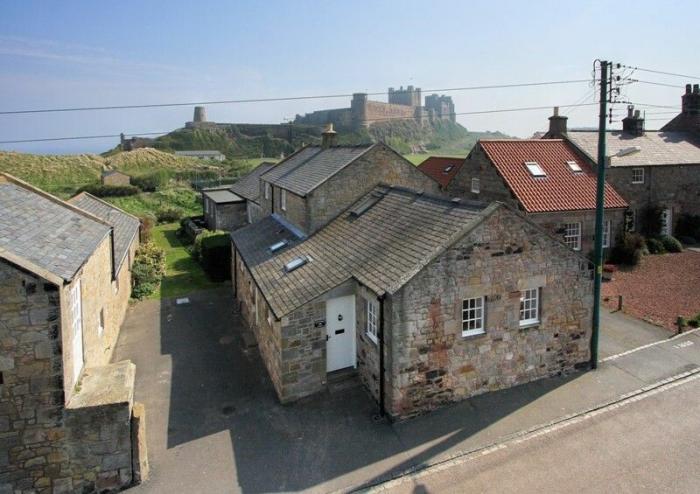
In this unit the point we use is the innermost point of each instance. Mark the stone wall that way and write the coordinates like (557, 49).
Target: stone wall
(379, 165)
(255, 212)
(297, 208)
(227, 216)
(121, 287)
(116, 179)
(670, 186)
(367, 348)
(433, 364)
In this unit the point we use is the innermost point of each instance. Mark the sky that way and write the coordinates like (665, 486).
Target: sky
(56, 54)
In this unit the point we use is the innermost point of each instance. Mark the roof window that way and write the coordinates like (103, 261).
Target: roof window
(278, 246)
(535, 169)
(574, 167)
(364, 205)
(448, 169)
(295, 263)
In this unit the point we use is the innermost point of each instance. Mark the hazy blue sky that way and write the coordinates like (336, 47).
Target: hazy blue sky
(77, 53)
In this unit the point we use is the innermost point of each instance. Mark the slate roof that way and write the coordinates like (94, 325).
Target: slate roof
(46, 231)
(656, 147)
(222, 196)
(248, 186)
(382, 248)
(309, 167)
(126, 226)
(441, 169)
(561, 189)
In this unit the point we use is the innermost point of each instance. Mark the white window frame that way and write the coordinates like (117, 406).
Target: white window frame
(633, 221)
(574, 167)
(667, 221)
(529, 307)
(206, 205)
(283, 199)
(572, 235)
(535, 169)
(476, 185)
(372, 320)
(607, 231)
(267, 190)
(638, 175)
(101, 322)
(473, 316)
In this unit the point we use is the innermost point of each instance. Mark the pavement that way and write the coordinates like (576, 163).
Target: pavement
(610, 450)
(214, 423)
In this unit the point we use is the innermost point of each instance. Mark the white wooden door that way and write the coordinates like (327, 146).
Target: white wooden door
(77, 319)
(340, 333)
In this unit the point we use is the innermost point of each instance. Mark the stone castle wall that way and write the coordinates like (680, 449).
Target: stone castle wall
(433, 364)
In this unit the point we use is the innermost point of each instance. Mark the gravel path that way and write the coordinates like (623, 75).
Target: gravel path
(659, 289)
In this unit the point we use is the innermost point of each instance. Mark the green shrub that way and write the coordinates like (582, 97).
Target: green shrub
(197, 245)
(147, 183)
(671, 244)
(216, 256)
(655, 246)
(628, 249)
(147, 223)
(688, 225)
(148, 270)
(169, 215)
(100, 190)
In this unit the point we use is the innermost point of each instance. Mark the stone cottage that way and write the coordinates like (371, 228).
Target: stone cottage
(548, 180)
(430, 300)
(115, 177)
(223, 210)
(66, 412)
(248, 187)
(312, 186)
(651, 168)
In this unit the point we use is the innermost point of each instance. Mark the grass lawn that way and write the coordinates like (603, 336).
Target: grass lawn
(181, 197)
(183, 274)
(419, 158)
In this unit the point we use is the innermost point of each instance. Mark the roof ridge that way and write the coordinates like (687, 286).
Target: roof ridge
(452, 203)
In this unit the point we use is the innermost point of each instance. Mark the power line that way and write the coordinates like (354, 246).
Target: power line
(661, 72)
(134, 134)
(288, 98)
(676, 86)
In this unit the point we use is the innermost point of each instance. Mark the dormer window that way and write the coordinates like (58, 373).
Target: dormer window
(278, 246)
(535, 169)
(574, 167)
(295, 263)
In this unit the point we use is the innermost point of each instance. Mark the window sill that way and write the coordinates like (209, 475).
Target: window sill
(528, 325)
(372, 338)
(473, 333)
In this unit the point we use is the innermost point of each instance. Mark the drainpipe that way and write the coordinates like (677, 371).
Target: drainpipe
(235, 271)
(382, 410)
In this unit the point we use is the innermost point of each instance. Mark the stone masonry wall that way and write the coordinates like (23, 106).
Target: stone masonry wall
(433, 364)
(676, 187)
(297, 209)
(31, 387)
(367, 348)
(230, 216)
(121, 287)
(379, 165)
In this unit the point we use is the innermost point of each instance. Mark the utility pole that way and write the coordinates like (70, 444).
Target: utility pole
(599, 208)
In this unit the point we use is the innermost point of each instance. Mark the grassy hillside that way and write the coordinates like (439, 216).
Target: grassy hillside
(147, 160)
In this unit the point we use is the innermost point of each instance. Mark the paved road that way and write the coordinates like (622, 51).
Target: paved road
(649, 445)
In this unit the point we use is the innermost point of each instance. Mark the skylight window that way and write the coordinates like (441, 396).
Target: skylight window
(535, 169)
(574, 167)
(295, 263)
(277, 246)
(448, 169)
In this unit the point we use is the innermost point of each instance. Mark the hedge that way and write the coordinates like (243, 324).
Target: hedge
(100, 190)
(628, 249)
(216, 256)
(148, 270)
(169, 215)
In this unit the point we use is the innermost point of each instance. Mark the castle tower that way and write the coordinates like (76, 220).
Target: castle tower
(200, 114)
(358, 110)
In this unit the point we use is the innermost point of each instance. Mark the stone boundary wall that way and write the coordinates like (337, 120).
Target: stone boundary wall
(433, 364)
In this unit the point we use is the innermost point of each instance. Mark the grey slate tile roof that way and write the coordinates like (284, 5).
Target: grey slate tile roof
(222, 196)
(305, 170)
(45, 232)
(656, 147)
(382, 248)
(248, 186)
(125, 226)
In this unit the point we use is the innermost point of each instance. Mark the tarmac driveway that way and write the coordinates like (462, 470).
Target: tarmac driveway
(214, 424)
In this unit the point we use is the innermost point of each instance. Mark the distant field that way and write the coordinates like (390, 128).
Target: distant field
(417, 159)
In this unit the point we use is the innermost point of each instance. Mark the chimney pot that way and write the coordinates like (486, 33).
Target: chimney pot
(630, 110)
(636, 113)
(556, 111)
(688, 88)
(696, 88)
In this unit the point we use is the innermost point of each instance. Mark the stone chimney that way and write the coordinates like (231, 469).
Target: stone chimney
(329, 136)
(557, 124)
(633, 123)
(200, 114)
(691, 100)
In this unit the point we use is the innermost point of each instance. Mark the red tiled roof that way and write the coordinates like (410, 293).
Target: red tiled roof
(438, 168)
(561, 189)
